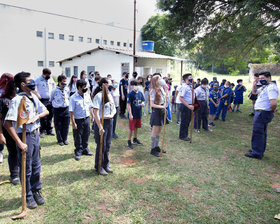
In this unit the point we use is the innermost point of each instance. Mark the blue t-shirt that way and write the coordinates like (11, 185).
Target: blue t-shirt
(135, 100)
(123, 83)
(147, 85)
(238, 93)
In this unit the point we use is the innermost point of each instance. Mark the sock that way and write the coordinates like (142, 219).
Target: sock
(157, 141)
(237, 107)
(153, 142)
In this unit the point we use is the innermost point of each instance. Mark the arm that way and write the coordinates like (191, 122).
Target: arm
(224, 96)
(9, 127)
(191, 107)
(122, 95)
(273, 103)
(129, 111)
(152, 104)
(38, 116)
(92, 114)
(97, 120)
(37, 94)
(254, 88)
(74, 125)
(2, 138)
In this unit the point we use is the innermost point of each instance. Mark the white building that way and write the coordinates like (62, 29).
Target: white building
(112, 61)
(31, 40)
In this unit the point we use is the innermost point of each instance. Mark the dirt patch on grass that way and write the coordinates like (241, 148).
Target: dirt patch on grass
(275, 185)
(125, 161)
(122, 124)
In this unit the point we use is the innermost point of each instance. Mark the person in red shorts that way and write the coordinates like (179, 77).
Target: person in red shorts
(135, 102)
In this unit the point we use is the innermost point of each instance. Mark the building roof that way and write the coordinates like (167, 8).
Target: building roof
(138, 54)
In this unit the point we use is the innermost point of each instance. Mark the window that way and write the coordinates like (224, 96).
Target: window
(130, 45)
(51, 35)
(124, 44)
(51, 63)
(97, 41)
(119, 43)
(40, 63)
(67, 71)
(89, 40)
(61, 36)
(81, 39)
(71, 37)
(39, 33)
(112, 42)
(76, 70)
(105, 42)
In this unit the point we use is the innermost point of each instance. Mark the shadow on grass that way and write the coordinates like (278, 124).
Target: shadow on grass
(8, 205)
(56, 158)
(45, 144)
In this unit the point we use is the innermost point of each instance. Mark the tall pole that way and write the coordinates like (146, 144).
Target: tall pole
(134, 36)
(45, 47)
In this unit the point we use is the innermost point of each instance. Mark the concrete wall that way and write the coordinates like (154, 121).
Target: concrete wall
(151, 66)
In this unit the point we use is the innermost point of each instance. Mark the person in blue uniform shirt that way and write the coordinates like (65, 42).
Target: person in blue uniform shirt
(224, 101)
(106, 129)
(222, 84)
(123, 94)
(238, 95)
(81, 108)
(214, 98)
(253, 97)
(186, 106)
(60, 103)
(214, 81)
(44, 85)
(202, 95)
(265, 106)
(36, 110)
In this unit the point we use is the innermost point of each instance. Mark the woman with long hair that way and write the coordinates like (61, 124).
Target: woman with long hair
(72, 85)
(158, 104)
(5, 99)
(107, 128)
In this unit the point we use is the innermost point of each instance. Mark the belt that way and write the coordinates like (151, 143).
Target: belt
(264, 110)
(45, 98)
(84, 118)
(202, 100)
(31, 132)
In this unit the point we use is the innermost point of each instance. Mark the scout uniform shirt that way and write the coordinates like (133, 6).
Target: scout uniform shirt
(265, 94)
(186, 93)
(44, 87)
(33, 106)
(109, 107)
(202, 94)
(60, 97)
(80, 105)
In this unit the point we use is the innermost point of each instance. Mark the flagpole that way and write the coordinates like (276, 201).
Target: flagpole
(134, 36)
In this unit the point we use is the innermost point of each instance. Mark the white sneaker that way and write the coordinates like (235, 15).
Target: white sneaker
(1, 157)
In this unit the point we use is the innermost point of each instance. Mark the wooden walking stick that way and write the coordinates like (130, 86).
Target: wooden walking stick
(23, 117)
(192, 114)
(101, 136)
(163, 134)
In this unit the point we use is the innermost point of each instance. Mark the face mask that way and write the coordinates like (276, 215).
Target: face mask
(136, 88)
(226, 86)
(63, 84)
(241, 83)
(84, 90)
(190, 80)
(31, 85)
(47, 77)
(126, 76)
(162, 82)
(115, 85)
(263, 82)
(74, 79)
(203, 86)
(149, 79)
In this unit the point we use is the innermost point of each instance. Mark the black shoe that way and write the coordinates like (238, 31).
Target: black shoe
(129, 145)
(254, 156)
(15, 181)
(109, 170)
(250, 151)
(154, 152)
(136, 142)
(115, 136)
(31, 204)
(61, 143)
(87, 153)
(77, 157)
(251, 114)
(38, 198)
(223, 119)
(51, 133)
(216, 118)
(66, 143)
(42, 135)
(185, 139)
(158, 149)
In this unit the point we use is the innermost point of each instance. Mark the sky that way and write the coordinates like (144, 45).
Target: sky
(105, 11)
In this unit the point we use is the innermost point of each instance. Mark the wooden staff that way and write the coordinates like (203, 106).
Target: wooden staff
(192, 114)
(101, 136)
(164, 125)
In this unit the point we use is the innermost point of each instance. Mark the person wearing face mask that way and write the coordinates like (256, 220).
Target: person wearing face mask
(254, 97)
(213, 103)
(60, 103)
(81, 108)
(123, 94)
(116, 97)
(72, 86)
(224, 101)
(186, 106)
(135, 102)
(36, 110)
(134, 78)
(146, 91)
(44, 86)
(238, 95)
(202, 94)
(265, 106)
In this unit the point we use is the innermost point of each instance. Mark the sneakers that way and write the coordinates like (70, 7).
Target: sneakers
(185, 139)
(136, 142)
(38, 198)
(61, 143)
(1, 157)
(178, 122)
(251, 114)
(154, 152)
(15, 181)
(51, 133)
(31, 204)
(77, 157)
(42, 135)
(129, 145)
(210, 130)
(158, 149)
(252, 155)
(66, 143)
(212, 125)
(103, 172)
(115, 136)
(109, 170)
(239, 111)
(87, 153)
(197, 130)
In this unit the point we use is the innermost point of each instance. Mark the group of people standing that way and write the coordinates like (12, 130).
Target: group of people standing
(96, 99)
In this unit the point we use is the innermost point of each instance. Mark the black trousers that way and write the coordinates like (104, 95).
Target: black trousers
(81, 135)
(115, 118)
(123, 105)
(107, 138)
(13, 155)
(46, 122)
(201, 115)
(61, 117)
(186, 114)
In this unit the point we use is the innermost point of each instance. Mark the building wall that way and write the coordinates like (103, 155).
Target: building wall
(105, 62)
(21, 49)
(151, 66)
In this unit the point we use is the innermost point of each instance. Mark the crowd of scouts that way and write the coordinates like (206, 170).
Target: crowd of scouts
(86, 100)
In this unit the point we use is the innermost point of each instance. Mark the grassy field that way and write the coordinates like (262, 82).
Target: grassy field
(208, 181)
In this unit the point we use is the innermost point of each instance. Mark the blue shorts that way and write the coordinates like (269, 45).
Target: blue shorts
(213, 109)
(238, 100)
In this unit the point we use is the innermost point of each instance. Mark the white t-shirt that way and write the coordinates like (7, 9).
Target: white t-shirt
(177, 100)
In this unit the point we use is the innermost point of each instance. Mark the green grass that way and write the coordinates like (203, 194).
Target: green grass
(208, 181)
